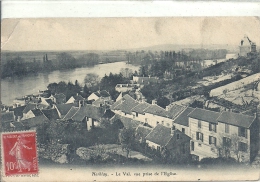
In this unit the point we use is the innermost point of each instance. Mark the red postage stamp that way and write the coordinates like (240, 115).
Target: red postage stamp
(19, 153)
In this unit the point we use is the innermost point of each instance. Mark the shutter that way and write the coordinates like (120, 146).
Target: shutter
(239, 131)
(209, 139)
(245, 133)
(210, 127)
(197, 135)
(215, 128)
(202, 137)
(215, 141)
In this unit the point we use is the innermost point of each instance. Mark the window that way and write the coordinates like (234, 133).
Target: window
(157, 122)
(199, 136)
(158, 148)
(136, 114)
(199, 144)
(125, 114)
(162, 122)
(192, 145)
(226, 142)
(226, 128)
(212, 140)
(178, 136)
(242, 132)
(242, 146)
(212, 127)
(168, 124)
(173, 127)
(133, 116)
(199, 124)
(183, 130)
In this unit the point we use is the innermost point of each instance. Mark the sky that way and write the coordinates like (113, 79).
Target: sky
(124, 33)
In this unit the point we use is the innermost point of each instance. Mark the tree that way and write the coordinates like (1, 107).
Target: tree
(163, 101)
(53, 87)
(126, 139)
(66, 61)
(91, 79)
(55, 131)
(126, 72)
(86, 91)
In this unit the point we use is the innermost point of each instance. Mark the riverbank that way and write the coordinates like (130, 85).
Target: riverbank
(12, 88)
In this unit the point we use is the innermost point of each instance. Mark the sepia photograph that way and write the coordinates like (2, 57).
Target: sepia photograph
(130, 98)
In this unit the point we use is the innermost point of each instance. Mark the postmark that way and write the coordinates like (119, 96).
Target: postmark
(19, 153)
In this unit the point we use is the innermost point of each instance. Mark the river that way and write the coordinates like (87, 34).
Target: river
(16, 87)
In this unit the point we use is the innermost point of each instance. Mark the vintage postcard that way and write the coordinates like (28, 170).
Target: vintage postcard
(130, 99)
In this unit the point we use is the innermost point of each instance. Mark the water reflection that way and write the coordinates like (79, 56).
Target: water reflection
(29, 84)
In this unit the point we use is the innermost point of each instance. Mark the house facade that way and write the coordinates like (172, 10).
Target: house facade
(212, 134)
(100, 94)
(174, 143)
(225, 134)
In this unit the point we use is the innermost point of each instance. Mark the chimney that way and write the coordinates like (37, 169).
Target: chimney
(172, 130)
(154, 102)
(167, 108)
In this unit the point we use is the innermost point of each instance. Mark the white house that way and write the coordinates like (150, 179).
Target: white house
(217, 134)
(100, 94)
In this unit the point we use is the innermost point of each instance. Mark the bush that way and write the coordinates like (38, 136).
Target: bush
(218, 161)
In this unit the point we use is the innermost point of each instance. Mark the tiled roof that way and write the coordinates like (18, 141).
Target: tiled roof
(51, 114)
(127, 122)
(49, 101)
(78, 97)
(108, 114)
(143, 131)
(35, 121)
(64, 108)
(94, 112)
(175, 110)
(160, 135)
(29, 106)
(18, 111)
(204, 115)
(125, 104)
(37, 112)
(236, 119)
(102, 101)
(157, 110)
(102, 93)
(79, 115)
(7, 116)
(5, 125)
(90, 111)
(182, 137)
(18, 125)
(60, 97)
(71, 112)
(183, 118)
(141, 107)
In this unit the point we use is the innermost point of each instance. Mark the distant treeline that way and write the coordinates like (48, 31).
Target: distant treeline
(205, 54)
(194, 54)
(18, 66)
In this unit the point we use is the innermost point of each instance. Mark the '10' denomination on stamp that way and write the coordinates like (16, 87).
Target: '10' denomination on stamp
(19, 153)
